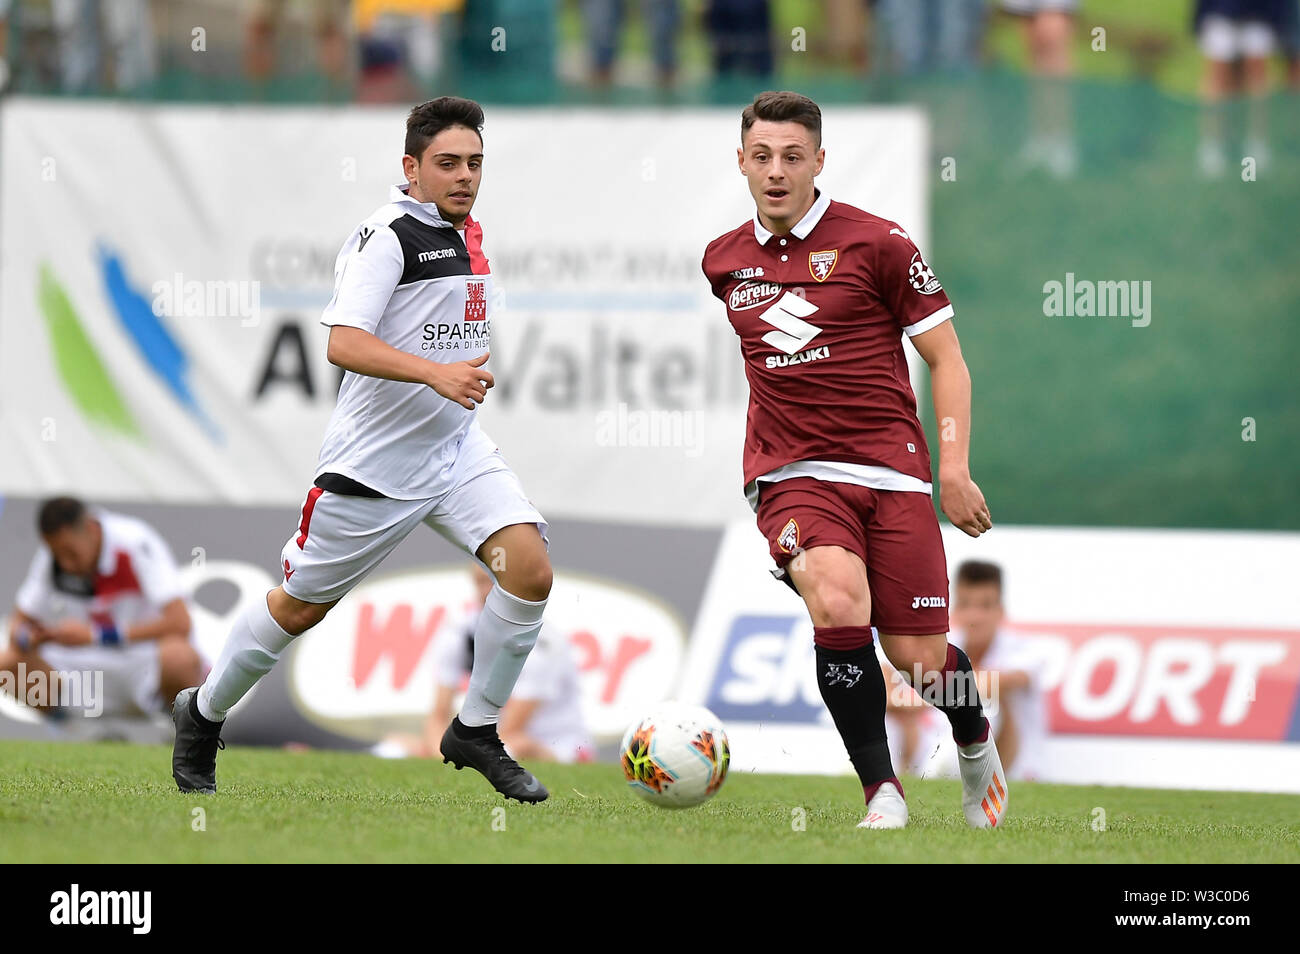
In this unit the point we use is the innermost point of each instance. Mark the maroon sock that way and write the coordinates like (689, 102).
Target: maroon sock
(958, 698)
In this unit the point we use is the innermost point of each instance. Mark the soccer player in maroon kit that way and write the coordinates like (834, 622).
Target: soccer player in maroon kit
(836, 465)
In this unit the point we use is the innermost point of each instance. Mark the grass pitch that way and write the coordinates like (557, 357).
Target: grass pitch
(65, 802)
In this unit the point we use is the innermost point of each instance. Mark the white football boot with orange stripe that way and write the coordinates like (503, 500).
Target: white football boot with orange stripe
(887, 809)
(983, 784)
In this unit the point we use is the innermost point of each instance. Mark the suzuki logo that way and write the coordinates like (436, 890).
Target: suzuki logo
(787, 316)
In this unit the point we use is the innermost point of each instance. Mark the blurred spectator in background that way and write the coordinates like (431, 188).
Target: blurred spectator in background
(104, 45)
(604, 22)
(4, 43)
(542, 721)
(740, 32)
(1003, 660)
(1291, 47)
(926, 36)
(326, 19)
(1048, 27)
(401, 47)
(103, 596)
(1238, 38)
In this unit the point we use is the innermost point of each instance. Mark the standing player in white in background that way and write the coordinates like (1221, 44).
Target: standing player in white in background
(409, 323)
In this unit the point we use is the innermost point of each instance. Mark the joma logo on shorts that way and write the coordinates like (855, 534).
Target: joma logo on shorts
(925, 602)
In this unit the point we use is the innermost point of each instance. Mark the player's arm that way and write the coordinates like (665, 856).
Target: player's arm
(359, 351)
(1010, 679)
(174, 620)
(961, 500)
(25, 631)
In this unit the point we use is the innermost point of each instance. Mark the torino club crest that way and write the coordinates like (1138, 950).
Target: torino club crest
(821, 264)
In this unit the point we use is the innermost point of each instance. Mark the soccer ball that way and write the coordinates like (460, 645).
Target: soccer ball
(677, 756)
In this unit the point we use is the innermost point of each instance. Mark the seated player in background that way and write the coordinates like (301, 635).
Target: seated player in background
(103, 594)
(1005, 663)
(543, 719)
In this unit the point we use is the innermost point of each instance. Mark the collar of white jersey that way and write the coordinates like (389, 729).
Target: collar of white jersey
(427, 211)
(804, 226)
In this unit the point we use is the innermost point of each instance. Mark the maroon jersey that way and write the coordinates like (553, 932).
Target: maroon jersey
(821, 314)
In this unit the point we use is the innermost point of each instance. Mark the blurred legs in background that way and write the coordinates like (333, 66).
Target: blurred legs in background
(604, 23)
(924, 36)
(740, 32)
(94, 35)
(328, 23)
(1237, 54)
(1048, 27)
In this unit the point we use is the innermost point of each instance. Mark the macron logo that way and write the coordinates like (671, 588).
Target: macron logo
(436, 254)
(787, 316)
(133, 908)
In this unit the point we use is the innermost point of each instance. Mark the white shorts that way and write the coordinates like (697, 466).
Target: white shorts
(112, 680)
(341, 538)
(1226, 41)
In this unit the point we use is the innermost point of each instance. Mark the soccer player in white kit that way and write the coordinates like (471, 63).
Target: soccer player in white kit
(410, 324)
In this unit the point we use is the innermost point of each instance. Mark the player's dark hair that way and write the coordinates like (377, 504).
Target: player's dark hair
(59, 512)
(783, 107)
(429, 119)
(979, 572)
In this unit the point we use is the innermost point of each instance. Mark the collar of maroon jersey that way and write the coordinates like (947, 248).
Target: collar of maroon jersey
(804, 226)
(425, 211)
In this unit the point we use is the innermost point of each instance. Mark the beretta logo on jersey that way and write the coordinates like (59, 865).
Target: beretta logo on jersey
(821, 264)
(921, 276)
(753, 294)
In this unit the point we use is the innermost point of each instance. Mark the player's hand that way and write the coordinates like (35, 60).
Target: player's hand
(71, 633)
(964, 505)
(465, 382)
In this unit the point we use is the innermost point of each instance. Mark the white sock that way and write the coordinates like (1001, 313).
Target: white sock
(506, 633)
(252, 648)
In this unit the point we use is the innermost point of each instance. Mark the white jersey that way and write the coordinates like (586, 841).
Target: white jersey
(549, 678)
(408, 277)
(135, 578)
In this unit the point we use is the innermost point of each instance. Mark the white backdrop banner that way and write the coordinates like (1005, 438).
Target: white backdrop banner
(164, 269)
(1162, 658)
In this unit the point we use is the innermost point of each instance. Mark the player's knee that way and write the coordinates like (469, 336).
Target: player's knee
(532, 580)
(832, 603)
(297, 617)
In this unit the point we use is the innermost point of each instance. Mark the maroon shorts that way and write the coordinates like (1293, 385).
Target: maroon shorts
(895, 533)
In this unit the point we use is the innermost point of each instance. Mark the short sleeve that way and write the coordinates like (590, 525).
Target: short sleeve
(370, 267)
(155, 568)
(908, 286)
(717, 280)
(34, 595)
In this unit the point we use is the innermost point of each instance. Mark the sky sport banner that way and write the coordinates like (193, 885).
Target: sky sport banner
(159, 300)
(1167, 658)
